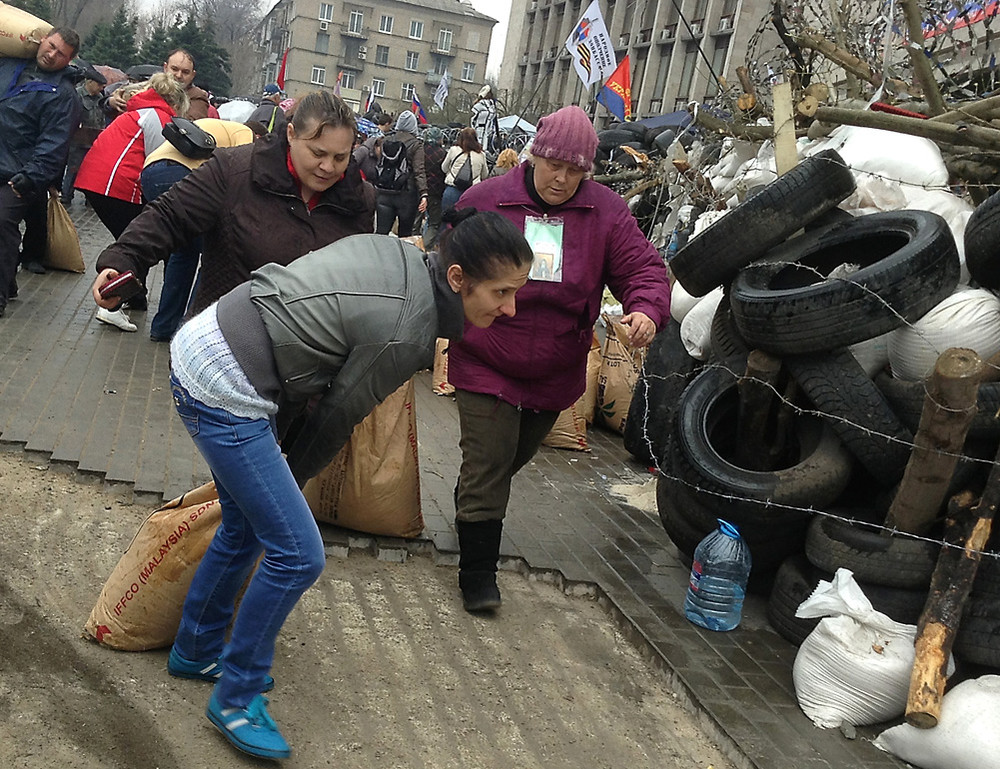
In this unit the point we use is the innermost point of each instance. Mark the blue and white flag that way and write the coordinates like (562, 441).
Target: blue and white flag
(590, 46)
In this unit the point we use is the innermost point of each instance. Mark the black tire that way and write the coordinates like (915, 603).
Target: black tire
(704, 433)
(909, 263)
(978, 638)
(695, 516)
(666, 371)
(857, 410)
(613, 137)
(875, 558)
(797, 578)
(982, 243)
(726, 339)
(761, 221)
(907, 400)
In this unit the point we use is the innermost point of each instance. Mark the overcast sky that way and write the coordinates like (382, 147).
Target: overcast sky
(498, 9)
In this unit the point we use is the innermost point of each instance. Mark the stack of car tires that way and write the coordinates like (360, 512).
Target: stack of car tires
(805, 299)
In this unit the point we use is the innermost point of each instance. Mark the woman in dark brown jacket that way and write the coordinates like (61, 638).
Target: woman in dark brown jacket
(271, 201)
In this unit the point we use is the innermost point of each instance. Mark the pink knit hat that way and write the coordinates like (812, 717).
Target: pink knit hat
(568, 135)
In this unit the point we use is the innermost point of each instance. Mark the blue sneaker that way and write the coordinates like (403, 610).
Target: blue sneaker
(251, 729)
(181, 667)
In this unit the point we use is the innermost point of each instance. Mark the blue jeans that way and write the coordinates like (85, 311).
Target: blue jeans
(182, 265)
(450, 198)
(262, 509)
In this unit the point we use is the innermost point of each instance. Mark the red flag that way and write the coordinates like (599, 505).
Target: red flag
(280, 79)
(616, 94)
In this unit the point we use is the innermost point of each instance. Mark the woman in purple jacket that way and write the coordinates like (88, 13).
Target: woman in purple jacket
(514, 378)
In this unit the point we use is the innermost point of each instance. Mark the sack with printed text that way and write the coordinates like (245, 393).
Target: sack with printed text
(20, 32)
(620, 367)
(140, 605)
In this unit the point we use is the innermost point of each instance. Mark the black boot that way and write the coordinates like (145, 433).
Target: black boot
(479, 551)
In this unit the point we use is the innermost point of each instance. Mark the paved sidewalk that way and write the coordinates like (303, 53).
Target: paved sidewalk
(96, 399)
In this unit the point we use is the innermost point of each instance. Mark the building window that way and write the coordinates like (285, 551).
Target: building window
(406, 94)
(444, 40)
(346, 79)
(474, 40)
(440, 65)
(385, 25)
(412, 60)
(356, 23)
(417, 30)
(687, 72)
(382, 55)
(378, 87)
(326, 11)
(322, 42)
(468, 71)
(318, 76)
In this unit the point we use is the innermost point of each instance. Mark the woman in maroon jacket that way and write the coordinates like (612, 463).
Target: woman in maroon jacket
(514, 378)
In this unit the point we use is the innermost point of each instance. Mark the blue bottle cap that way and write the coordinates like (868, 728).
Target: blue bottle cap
(728, 529)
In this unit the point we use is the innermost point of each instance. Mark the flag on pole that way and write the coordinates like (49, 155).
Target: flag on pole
(616, 94)
(336, 86)
(368, 101)
(418, 110)
(280, 79)
(442, 90)
(590, 46)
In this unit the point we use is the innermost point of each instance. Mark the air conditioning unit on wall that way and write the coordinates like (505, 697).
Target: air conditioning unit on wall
(725, 24)
(666, 34)
(362, 52)
(324, 25)
(696, 28)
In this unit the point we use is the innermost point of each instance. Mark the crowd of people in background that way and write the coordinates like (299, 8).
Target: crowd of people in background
(308, 308)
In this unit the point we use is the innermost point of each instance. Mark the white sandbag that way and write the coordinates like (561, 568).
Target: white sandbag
(967, 735)
(909, 160)
(696, 328)
(20, 32)
(952, 209)
(854, 667)
(681, 301)
(968, 318)
(706, 219)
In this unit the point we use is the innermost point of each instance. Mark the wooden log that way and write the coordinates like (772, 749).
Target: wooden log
(751, 132)
(786, 154)
(944, 133)
(949, 406)
(983, 109)
(950, 585)
(918, 57)
(848, 61)
(743, 75)
(757, 400)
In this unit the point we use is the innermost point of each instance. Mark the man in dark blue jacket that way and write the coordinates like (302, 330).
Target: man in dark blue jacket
(39, 111)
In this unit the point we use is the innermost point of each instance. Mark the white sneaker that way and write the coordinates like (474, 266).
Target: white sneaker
(117, 318)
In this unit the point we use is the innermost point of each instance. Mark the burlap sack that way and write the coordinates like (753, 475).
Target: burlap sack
(140, 605)
(620, 367)
(20, 32)
(439, 375)
(373, 485)
(588, 403)
(62, 249)
(570, 429)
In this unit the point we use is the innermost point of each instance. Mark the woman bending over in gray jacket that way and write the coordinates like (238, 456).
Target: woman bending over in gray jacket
(320, 342)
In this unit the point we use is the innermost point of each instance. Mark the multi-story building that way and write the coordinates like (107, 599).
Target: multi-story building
(677, 50)
(391, 48)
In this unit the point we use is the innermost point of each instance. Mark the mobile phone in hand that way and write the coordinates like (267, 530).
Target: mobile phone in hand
(125, 286)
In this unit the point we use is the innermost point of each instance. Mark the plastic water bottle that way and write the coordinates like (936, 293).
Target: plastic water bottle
(718, 579)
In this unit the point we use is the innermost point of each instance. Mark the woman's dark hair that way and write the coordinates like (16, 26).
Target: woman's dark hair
(468, 141)
(482, 243)
(326, 109)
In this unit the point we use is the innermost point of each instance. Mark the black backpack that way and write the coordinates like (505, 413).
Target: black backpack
(393, 169)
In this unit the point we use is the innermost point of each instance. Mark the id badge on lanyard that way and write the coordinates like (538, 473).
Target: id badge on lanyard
(545, 236)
